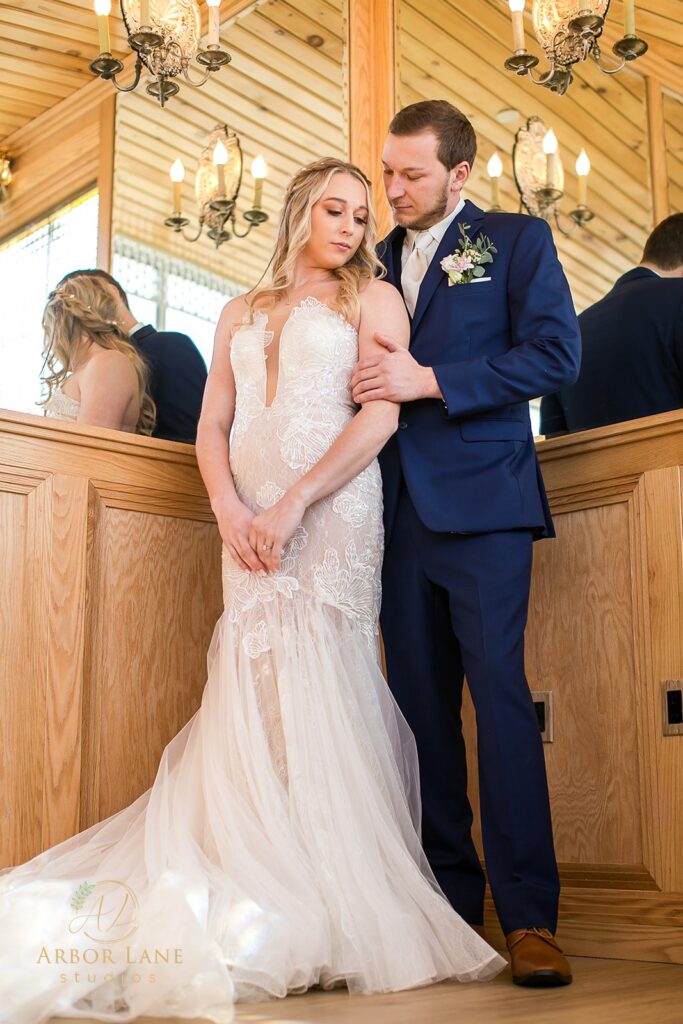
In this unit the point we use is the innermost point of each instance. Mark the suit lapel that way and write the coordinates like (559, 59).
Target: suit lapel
(470, 214)
(389, 252)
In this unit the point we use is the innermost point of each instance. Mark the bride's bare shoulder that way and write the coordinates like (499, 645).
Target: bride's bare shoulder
(379, 294)
(233, 312)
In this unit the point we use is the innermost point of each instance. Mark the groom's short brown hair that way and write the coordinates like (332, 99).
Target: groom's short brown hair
(457, 140)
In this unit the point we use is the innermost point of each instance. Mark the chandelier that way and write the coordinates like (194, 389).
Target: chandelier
(217, 186)
(568, 32)
(539, 176)
(165, 37)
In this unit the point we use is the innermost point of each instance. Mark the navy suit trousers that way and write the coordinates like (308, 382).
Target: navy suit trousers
(455, 605)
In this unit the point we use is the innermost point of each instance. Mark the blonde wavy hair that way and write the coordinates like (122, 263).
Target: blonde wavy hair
(304, 190)
(83, 306)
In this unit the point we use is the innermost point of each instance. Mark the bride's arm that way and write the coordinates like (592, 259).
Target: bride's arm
(382, 311)
(213, 445)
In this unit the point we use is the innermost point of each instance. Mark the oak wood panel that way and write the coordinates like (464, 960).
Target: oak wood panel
(25, 525)
(114, 562)
(149, 635)
(65, 582)
(583, 653)
(663, 512)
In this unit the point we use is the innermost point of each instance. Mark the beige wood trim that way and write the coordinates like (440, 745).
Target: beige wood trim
(370, 46)
(105, 181)
(64, 682)
(613, 923)
(659, 174)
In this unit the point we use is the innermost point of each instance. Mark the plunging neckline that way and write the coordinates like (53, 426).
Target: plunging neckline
(270, 336)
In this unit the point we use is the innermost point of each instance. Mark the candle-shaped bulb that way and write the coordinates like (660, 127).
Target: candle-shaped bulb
(550, 150)
(144, 14)
(177, 175)
(583, 166)
(517, 11)
(259, 169)
(549, 142)
(494, 167)
(220, 159)
(177, 171)
(214, 22)
(103, 10)
(629, 18)
(220, 153)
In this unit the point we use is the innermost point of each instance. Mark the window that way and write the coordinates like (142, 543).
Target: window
(172, 294)
(31, 264)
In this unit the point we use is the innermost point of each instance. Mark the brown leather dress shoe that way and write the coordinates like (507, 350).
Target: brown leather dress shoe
(537, 960)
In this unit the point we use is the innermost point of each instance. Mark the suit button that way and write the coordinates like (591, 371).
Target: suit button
(403, 425)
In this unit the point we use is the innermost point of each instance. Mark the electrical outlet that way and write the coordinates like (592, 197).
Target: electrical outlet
(543, 705)
(672, 707)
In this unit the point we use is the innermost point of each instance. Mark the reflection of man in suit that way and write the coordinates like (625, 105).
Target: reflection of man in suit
(463, 501)
(632, 344)
(177, 370)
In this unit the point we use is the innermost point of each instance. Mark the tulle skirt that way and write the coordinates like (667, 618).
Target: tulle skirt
(277, 849)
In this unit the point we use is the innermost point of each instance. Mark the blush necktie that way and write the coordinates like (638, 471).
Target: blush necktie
(415, 269)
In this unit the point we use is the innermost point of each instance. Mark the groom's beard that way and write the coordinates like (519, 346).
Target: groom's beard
(431, 216)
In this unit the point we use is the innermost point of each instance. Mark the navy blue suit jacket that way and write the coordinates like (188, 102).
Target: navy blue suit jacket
(632, 357)
(469, 463)
(178, 377)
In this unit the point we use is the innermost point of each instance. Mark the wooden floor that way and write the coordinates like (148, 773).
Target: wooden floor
(604, 992)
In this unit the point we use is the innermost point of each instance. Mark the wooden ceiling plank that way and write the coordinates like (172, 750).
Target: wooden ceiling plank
(260, 26)
(190, 135)
(295, 24)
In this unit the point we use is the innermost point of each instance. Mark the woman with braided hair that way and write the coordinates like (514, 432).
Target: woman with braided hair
(95, 373)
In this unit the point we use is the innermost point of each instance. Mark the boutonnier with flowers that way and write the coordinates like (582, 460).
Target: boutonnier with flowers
(467, 262)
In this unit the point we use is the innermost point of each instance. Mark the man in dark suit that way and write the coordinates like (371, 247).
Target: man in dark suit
(632, 344)
(177, 370)
(464, 499)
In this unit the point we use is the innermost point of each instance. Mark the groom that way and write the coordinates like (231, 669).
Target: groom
(464, 500)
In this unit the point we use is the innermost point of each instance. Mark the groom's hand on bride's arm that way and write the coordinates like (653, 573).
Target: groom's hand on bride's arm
(394, 376)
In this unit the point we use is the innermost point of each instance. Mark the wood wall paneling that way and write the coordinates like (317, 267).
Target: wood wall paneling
(113, 559)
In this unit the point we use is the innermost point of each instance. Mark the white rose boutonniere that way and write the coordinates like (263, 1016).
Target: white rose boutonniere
(468, 260)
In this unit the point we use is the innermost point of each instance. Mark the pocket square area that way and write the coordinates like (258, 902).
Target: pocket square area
(479, 280)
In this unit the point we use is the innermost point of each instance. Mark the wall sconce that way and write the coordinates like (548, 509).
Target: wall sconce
(539, 176)
(568, 31)
(217, 186)
(5, 175)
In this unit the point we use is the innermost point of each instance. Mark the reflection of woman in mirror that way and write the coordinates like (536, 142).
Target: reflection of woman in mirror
(96, 376)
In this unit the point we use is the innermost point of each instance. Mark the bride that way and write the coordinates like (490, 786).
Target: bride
(278, 846)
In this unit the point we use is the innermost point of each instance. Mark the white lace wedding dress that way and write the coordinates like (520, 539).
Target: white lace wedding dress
(277, 848)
